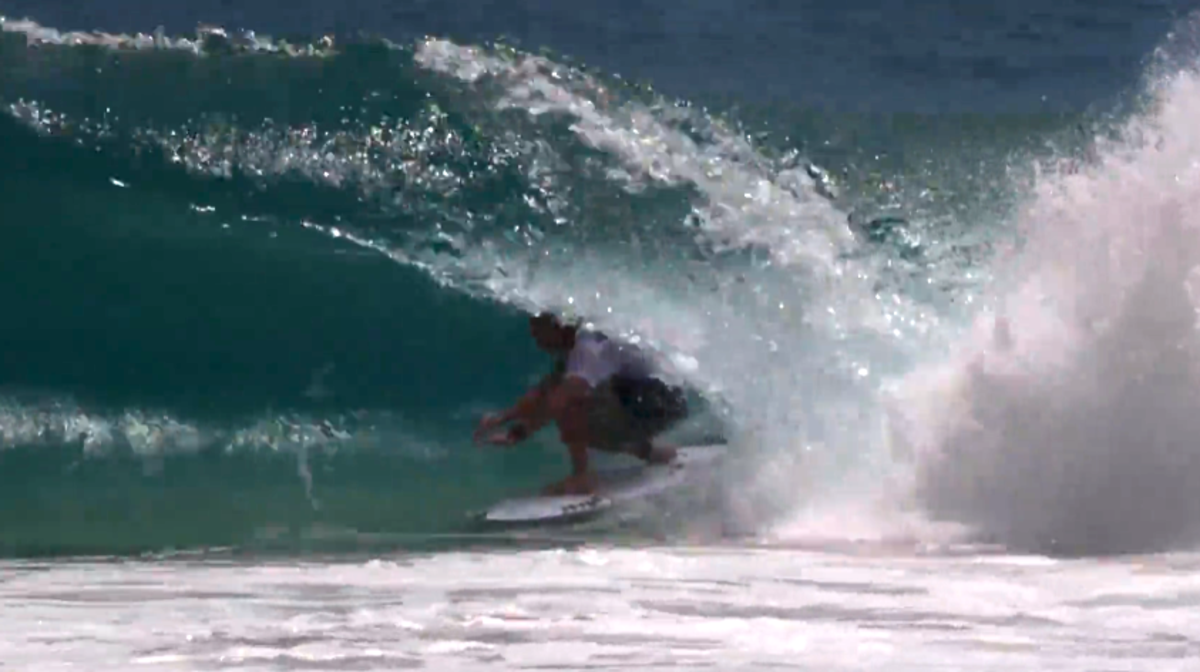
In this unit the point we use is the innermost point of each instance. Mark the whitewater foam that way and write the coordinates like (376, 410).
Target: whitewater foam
(1067, 420)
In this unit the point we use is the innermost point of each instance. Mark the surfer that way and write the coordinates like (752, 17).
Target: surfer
(602, 393)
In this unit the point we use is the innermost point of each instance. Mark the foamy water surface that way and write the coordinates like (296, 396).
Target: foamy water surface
(854, 608)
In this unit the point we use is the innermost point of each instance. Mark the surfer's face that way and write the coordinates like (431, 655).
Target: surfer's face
(549, 334)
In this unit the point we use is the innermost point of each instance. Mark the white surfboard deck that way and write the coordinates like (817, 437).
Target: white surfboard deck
(615, 485)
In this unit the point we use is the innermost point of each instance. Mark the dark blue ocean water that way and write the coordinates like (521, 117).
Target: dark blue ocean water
(253, 297)
(864, 55)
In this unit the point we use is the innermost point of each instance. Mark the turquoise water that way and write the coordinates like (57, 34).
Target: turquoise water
(256, 293)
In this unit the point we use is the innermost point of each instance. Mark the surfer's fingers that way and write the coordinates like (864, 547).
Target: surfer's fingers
(487, 422)
(501, 439)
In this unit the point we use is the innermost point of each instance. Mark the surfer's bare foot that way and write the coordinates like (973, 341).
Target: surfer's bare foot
(575, 484)
(661, 454)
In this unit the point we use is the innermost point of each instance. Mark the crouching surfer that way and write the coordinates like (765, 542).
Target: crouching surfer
(603, 394)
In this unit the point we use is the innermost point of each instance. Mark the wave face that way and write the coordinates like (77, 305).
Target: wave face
(258, 292)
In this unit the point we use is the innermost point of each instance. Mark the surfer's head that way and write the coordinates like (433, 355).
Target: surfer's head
(551, 333)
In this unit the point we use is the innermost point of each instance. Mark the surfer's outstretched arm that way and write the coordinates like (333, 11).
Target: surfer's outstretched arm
(529, 414)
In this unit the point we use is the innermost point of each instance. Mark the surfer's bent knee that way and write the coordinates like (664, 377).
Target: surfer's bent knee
(572, 423)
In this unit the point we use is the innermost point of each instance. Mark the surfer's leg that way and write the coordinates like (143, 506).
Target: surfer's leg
(646, 450)
(573, 430)
(625, 418)
(607, 425)
(642, 433)
(650, 407)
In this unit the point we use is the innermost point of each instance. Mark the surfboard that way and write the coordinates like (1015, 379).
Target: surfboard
(615, 486)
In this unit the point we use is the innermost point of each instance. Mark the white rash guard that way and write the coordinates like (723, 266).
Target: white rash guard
(595, 359)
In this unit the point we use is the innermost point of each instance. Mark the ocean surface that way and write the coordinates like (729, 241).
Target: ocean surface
(929, 269)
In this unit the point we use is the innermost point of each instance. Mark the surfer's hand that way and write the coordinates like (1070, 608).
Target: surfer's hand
(499, 439)
(488, 422)
(509, 437)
